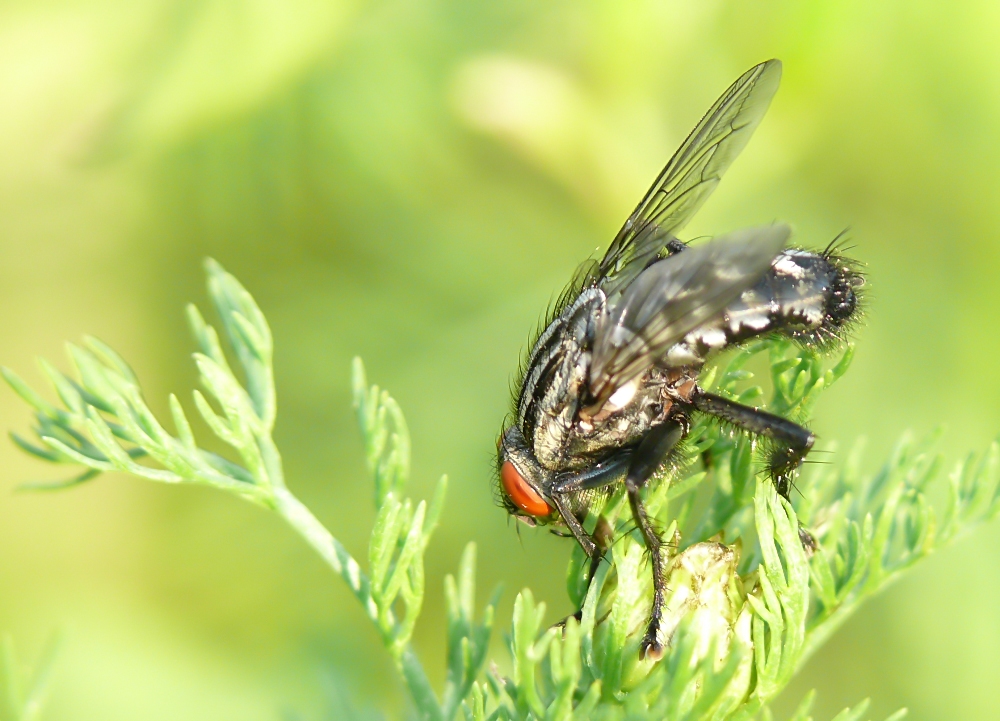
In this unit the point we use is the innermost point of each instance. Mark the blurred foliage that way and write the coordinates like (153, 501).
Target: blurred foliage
(23, 689)
(412, 181)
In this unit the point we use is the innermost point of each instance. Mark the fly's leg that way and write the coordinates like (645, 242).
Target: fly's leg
(638, 466)
(593, 546)
(562, 488)
(586, 542)
(792, 441)
(602, 538)
(654, 449)
(604, 474)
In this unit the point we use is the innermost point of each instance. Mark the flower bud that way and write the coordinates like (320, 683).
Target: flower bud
(705, 602)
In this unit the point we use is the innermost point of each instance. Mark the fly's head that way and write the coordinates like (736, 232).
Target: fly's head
(522, 481)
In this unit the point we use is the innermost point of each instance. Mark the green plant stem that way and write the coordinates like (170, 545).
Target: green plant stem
(428, 707)
(329, 548)
(302, 520)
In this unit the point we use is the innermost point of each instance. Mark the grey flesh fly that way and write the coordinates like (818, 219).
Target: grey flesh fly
(610, 385)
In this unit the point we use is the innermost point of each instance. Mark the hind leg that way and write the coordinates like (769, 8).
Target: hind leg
(792, 442)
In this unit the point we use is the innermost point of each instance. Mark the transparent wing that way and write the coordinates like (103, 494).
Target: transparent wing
(672, 297)
(691, 175)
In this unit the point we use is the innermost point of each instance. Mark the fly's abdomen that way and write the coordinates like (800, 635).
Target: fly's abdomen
(808, 296)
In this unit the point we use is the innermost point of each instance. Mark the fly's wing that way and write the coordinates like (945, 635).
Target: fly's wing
(691, 175)
(672, 297)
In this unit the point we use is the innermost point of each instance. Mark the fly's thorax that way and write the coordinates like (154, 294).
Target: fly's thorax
(627, 416)
(556, 376)
(555, 404)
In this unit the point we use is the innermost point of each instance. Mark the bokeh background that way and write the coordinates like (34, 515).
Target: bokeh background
(411, 181)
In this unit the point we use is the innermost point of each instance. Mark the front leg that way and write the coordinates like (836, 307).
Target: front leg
(586, 541)
(637, 466)
(562, 489)
(654, 449)
(602, 538)
(595, 546)
(606, 473)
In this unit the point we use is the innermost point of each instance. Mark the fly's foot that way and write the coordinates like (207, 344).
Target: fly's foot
(782, 465)
(562, 624)
(651, 648)
(808, 541)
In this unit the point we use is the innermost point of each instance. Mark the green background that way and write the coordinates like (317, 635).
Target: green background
(412, 181)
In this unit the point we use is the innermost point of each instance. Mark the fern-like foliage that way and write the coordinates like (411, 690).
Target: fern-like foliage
(748, 602)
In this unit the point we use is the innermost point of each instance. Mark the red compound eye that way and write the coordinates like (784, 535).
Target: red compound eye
(523, 495)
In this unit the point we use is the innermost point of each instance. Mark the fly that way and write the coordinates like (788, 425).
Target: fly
(611, 384)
